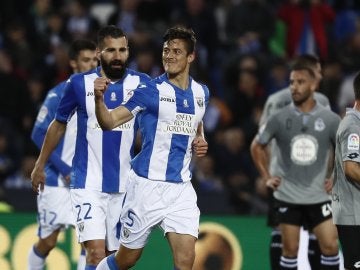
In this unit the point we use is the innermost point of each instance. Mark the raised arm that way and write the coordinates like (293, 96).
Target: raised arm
(108, 119)
(53, 135)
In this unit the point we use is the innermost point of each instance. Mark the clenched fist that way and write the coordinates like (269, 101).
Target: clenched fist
(100, 86)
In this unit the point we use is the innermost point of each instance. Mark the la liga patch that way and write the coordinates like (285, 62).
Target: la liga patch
(353, 142)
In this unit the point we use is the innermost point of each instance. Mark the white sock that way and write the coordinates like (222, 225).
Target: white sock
(103, 265)
(35, 260)
(82, 260)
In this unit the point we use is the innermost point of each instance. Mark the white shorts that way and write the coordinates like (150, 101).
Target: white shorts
(54, 210)
(97, 216)
(149, 203)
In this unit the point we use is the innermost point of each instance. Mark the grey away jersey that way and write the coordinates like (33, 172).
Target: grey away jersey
(346, 193)
(303, 141)
(274, 103)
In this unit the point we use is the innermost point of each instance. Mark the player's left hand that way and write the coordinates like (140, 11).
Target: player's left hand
(200, 146)
(328, 185)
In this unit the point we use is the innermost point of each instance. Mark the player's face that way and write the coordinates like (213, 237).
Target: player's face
(85, 61)
(113, 57)
(302, 86)
(176, 59)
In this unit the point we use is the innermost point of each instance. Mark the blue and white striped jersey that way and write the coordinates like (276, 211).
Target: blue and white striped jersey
(59, 164)
(168, 120)
(102, 158)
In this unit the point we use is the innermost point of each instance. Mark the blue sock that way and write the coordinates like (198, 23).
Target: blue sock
(90, 267)
(112, 263)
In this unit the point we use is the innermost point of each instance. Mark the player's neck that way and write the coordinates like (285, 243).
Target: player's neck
(307, 106)
(180, 80)
(357, 105)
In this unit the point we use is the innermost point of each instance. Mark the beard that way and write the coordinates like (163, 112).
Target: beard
(111, 72)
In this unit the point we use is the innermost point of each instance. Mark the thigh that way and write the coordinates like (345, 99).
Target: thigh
(54, 210)
(183, 215)
(291, 214)
(90, 208)
(113, 221)
(349, 237)
(144, 207)
(317, 213)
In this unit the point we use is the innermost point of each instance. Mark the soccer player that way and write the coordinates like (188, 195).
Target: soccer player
(170, 109)
(101, 163)
(54, 206)
(273, 105)
(346, 190)
(304, 131)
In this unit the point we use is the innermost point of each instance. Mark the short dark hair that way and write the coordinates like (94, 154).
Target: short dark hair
(80, 45)
(300, 66)
(356, 85)
(179, 32)
(109, 31)
(308, 60)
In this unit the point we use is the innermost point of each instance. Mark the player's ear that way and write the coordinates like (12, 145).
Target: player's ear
(191, 57)
(98, 53)
(73, 64)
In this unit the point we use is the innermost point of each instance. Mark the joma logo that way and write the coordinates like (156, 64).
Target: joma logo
(167, 99)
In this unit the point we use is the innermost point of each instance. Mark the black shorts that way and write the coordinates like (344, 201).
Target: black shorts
(307, 215)
(349, 237)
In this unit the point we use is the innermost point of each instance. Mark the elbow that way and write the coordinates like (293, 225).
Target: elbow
(105, 126)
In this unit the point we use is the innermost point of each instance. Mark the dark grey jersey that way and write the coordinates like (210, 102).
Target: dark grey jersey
(303, 142)
(346, 193)
(274, 104)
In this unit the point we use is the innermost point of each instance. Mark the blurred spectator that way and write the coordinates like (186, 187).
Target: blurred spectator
(246, 94)
(19, 49)
(80, 23)
(330, 84)
(249, 26)
(307, 23)
(146, 61)
(21, 178)
(234, 163)
(14, 100)
(278, 77)
(7, 162)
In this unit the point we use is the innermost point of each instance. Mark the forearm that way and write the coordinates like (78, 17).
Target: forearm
(352, 170)
(261, 160)
(103, 115)
(200, 130)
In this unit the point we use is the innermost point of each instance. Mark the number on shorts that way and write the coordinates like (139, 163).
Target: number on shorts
(130, 215)
(87, 209)
(326, 209)
(49, 215)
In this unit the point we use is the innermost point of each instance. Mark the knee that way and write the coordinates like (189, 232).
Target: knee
(290, 249)
(94, 255)
(330, 248)
(46, 245)
(184, 259)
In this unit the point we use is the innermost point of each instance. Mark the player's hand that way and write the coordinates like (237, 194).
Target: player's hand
(273, 182)
(100, 86)
(200, 146)
(328, 185)
(38, 179)
(67, 179)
